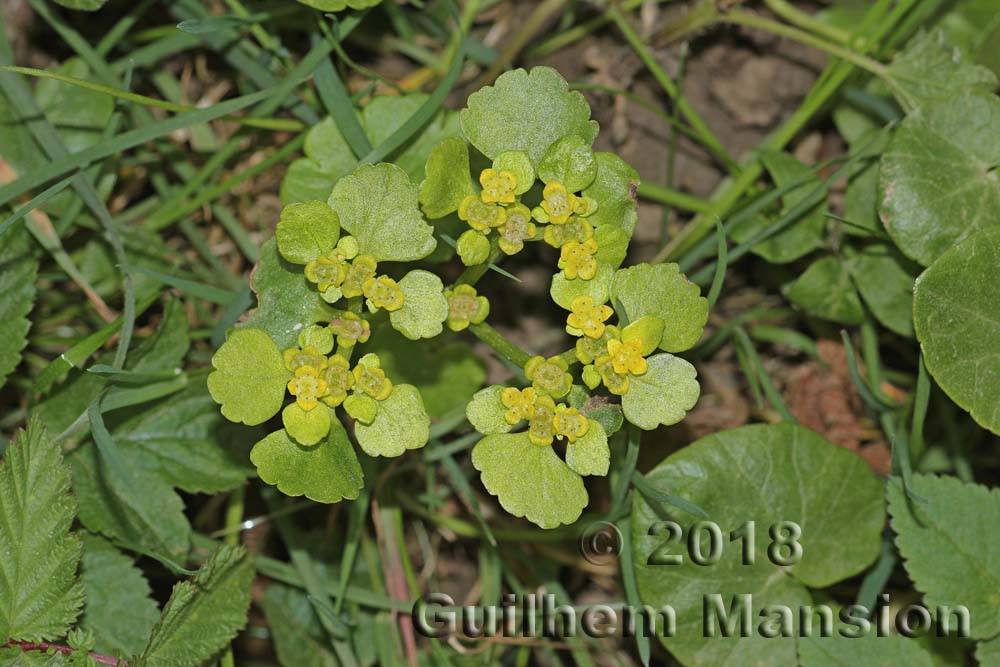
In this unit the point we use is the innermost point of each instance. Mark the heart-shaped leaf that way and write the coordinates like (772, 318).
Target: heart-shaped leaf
(400, 424)
(249, 377)
(425, 307)
(663, 394)
(662, 290)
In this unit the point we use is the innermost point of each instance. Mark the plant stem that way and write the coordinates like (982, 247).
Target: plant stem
(65, 650)
(797, 17)
(670, 197)
(498, 342)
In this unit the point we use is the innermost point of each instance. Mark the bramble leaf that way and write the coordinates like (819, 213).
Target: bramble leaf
(938, 179)
(570, 161)
(663, 395)
(327, 472)
(446, 182)
(526, 111)
(204, 614)
(378, 205)
(18, 269)
(826, 291)
(401, 424)
(956, 313)
(486, 413)
(425, 307)
(590, 454)
(39, 593)
(298, 636)
(827, 491)
(662, 290)
(529, 480)
(307, 230)
(948, 546)
(249, 377)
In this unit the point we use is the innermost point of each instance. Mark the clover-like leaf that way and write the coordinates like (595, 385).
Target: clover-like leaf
(307, 230)
(885, 280)
(569, 161)
(529, 480)
(662, 290)
(663, 394)
(956, 313)
(938, 179)
(614, 189)
(826, 291)
(446, 180)
(249, 377)
(400, 424)
(947, 539)
(829, 492)
(486, 413)
(526, 111)
(869, 650)
(590, 454)
(307, 427)
(425, 307)
(327, 472)
(378, 205)
(563, 290)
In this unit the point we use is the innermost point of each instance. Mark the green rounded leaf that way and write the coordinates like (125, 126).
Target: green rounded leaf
(519, 163)
(648, 330)
(569, 161)
(378, 205)
(826, 291)
(529, 480)
(338, 5)
(362, 408)
(956, 313)
(563, 290)
(486, 413)
(307, 427)
(526, 111)
(327, 472)
(400, 424)
(590, 454)
(938, 179)
(885, 280)
(473, 247)
(249, 377)
(425, 307)
(662, 290)
(446, 180)
(307, 230)
(869, 650)
(828, 491)
(614, 189)
(950, 546)
(328, 158)
(663, 394)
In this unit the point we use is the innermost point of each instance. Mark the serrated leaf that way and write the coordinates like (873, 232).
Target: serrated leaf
(446, 182)
(400, 424)
(378, 205)
(590, 454)
(298, 637)
(662, 290)
(825, 290)
(869, 650)
(663, 394)
(938, 179)
(830, 492)
(425, 307)
(18, 270)
(39, 593)
(527, 111)
(569, 161)
(563, 290)
(286, 301)
(204, 614)
(327, 472)
(529, 480)
(486, 412)
(948, 546)
(930, 70)
(885, 280)
(15, 657)
(119, 609)
(306, 230)
(250, 377)
(955, 314)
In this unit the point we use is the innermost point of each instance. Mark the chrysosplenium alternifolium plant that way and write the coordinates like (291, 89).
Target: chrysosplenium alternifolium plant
(346, 278)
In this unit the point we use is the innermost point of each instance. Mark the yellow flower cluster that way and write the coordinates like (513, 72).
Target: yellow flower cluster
(608, 359)
(497, 207)
(319, 378)
(546, 419)
(343, 272)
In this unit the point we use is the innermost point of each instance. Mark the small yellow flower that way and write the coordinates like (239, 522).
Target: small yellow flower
(520, 404)
(350, 329)
(549, 376)
(558, 203)
(617, 383)
(480, 215)
(465, 307)
(516, 230)
(589, 349)
(541, 427)
(587, 317)
(325, 272)
(339, 379)
(383, 292)
(307, 356)
(569, 423)
(578, 261)
(307, 387)
(371, 380)
(576, 229)
(361, 269)
(626, 357)
(498, 186)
